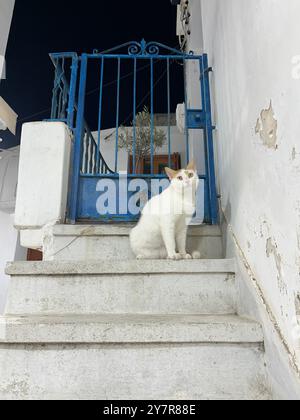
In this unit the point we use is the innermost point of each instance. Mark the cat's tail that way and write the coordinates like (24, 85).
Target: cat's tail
(196, 255)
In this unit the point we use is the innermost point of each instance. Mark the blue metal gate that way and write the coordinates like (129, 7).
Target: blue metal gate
(89, 165)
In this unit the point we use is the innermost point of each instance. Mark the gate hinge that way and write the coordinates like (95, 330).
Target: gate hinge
(208, 70)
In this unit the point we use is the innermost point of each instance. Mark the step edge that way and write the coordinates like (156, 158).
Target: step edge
(235, 327)
(139, 340)
(182, 318)
(99, 231)
(52, 268)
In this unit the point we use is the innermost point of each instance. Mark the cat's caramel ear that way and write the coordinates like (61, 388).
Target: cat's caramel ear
(192, 166)
(171, 174)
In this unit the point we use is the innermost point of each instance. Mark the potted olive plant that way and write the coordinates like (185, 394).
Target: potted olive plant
(142, 141)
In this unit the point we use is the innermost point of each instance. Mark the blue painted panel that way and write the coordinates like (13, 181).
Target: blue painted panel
(95, 203)
(195, 119)
(103, 199)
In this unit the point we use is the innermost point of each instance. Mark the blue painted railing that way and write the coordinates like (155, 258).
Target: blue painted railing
(68, 105)
(65, 107)
(64, 91)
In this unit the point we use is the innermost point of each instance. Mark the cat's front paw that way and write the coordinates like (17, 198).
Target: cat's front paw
(175, 257)
(186, 256)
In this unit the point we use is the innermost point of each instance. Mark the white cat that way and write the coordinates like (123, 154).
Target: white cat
(162, 229)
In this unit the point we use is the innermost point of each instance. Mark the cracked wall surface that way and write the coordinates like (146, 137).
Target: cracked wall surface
(256, 109)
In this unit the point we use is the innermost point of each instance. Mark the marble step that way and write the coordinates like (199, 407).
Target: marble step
(122, 287)
(101, 242)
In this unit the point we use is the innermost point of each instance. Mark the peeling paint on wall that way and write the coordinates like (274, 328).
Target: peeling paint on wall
(296, 323)
(297, 304)
(272, 249)
(266, 127)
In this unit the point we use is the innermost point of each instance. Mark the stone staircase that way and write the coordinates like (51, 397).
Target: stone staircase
(91, 322)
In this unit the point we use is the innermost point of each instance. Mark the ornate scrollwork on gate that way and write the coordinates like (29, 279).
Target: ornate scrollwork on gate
(143, 48)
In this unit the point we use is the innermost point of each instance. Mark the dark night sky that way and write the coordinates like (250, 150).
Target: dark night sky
(40, 27)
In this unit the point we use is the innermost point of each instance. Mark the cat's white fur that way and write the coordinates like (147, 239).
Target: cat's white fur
(162, 229)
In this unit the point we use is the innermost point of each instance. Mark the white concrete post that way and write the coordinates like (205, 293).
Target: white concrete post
(43, 179)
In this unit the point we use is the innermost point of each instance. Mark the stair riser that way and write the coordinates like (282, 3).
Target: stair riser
(96, 294)
(108, 372)
(85, 248)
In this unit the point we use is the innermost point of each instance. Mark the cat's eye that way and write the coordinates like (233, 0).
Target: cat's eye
(180, 178)
(191, 175)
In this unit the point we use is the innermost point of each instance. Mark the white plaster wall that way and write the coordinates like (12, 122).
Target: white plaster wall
(196, 139)
(251, 45)
(195, 44)
(9, 160)
(107, 147)
(10, 250)
(6, 12)
(195, 26)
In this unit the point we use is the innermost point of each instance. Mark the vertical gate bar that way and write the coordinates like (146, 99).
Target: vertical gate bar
(207, 205)
(186, 112)
(59, 103)
(134, 118)
(152, 116)
(89, 155)
(207, 212)
(94, 158)
(64, 89)
(78, 141)
(100, 116)
(72, 96)
(118, 116)
(169, 112)
(60, 91)
(84, 155)
(210, 143)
